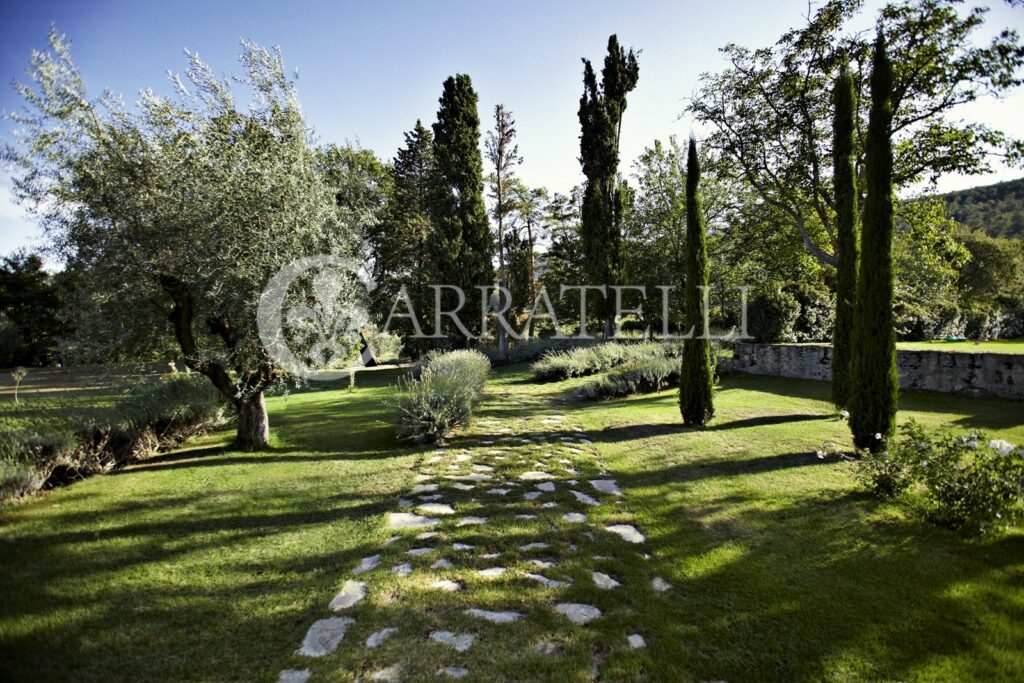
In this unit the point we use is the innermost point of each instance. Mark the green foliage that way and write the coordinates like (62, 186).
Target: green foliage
(695, 378)
(875, 384)
(997, 210)
(460, 240)
(771, 315)
(591, 360)
(640, 376)
(442, 398)
(844, 174)
(604, 202)
(815, 321)
(29, 304)
(891, 471)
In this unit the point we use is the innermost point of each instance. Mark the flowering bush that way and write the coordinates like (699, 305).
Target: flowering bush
(442, 398)
(640, 376)
(970, 483)
(592, 360)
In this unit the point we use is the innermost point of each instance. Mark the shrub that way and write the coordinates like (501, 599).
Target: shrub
(531, 350)
(27, 460)
(638, 377)
(817, 316)
(772, 315)
(443, 396)
(592, 360)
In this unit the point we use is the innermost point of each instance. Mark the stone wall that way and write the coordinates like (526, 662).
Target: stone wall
(976, 374)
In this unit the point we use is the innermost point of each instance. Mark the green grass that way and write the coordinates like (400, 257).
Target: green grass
(210, 564)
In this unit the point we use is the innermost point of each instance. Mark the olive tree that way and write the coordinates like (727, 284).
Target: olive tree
(178, 211)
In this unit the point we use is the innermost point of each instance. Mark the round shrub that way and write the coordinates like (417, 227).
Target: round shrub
(771, 316)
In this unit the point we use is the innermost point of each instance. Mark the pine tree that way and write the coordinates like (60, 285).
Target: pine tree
(845, 179)
(503, 153)
(695, 379)
(875, 387)
(600, 115)
(461, 239)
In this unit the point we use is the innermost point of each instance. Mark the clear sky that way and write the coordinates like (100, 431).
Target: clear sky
(368, 70)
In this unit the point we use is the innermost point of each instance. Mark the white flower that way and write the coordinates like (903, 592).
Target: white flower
(845, 414)
(878, 436)
(821, 455)
(1001, 446)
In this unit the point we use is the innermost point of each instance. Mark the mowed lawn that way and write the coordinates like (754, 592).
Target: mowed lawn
(210, 564)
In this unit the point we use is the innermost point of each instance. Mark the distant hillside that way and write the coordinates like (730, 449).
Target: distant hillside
(996, 209)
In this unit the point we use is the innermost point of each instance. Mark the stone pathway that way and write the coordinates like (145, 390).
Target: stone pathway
(513, 536)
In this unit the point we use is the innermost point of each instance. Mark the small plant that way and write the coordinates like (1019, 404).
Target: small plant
(885, 473)
(442, 398)
(18, 374)
(352, 380)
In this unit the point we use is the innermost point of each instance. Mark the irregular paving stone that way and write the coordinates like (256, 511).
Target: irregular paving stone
(419, 478)
(479, 476)
(448, 586)
(437, 509)
(545, 648)
(483, 468)
(535, 475)
(324, 636)
(351, 593)
(494, 617)
(453, 672)
(428, 534)
(498, 492)
(627, 532)
(405, 503)
(424, 488)
(545, 581)
(636, 641)
(442, 564)
(402, 569)
(366, 564)
(577, 613)
(460, 643)
(466, 521)
(294, 676)
(606, 486)
(546, 487)
(526, 516)
(584, 498)
(536, 545)
(407, 520)
(462, 546)
(431, 497)
(419, 552)
(574, 517)
(550, 504)
(492, 572)
(463, 487)
(391, 539)
(392, 674)
(659, 584)
(531, 495)
(490, 556)
(380, 636)
(604, 582)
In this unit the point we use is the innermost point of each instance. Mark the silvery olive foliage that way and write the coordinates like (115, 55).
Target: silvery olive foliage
(177, 210)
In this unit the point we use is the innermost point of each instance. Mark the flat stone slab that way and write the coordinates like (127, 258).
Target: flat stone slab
(660, 585)
(543, 564)
(483, 468)
(294, 676)
(606, 486)
(463, 487)
(492, 572)
(627, 532)
(461, 643)
(604, 582)
(380, 636)
(546, 487)
(442, 564)
(403, 569)
(424, 488)
(366, 564)
(448, 586)
(351, 593)
(575, 517)
(478, 477)
(453, 672)
(407, 520)
(462, 546)
(577, 613)
(584, 498)
(536, 545)
(419, 552)
(494, 617)
(535, 475)
(437, 509)
(526, 516)
(324, 636)
(546, 582)
(532, 495)
(498, 492)
(636, 641)
(467, 521)
(391, 674)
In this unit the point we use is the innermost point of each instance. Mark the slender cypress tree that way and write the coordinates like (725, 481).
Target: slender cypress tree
(600, 115)
(463, 247)
(695, 380)
(875, 386)
(845, 179)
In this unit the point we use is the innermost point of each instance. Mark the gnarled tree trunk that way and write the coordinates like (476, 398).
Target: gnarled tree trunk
(253, 423)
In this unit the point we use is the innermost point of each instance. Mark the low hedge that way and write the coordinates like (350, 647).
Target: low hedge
(440, 397)
(593, 360)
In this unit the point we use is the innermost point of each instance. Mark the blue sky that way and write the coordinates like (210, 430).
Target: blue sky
(368, 70)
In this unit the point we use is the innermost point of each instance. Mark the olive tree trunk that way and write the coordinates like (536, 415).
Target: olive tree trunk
(253, 423)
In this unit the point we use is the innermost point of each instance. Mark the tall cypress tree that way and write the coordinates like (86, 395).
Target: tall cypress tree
(461, 235)
(845, 179)
(875, 387)
(600, 115)
(695, 379)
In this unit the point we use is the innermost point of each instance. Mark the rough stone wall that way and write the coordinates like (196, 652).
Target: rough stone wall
(977, 374)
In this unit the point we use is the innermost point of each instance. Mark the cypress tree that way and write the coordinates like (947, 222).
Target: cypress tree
(695, 380)
(463, 248)
(845, 179)
(600, 115)
(875, 386)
